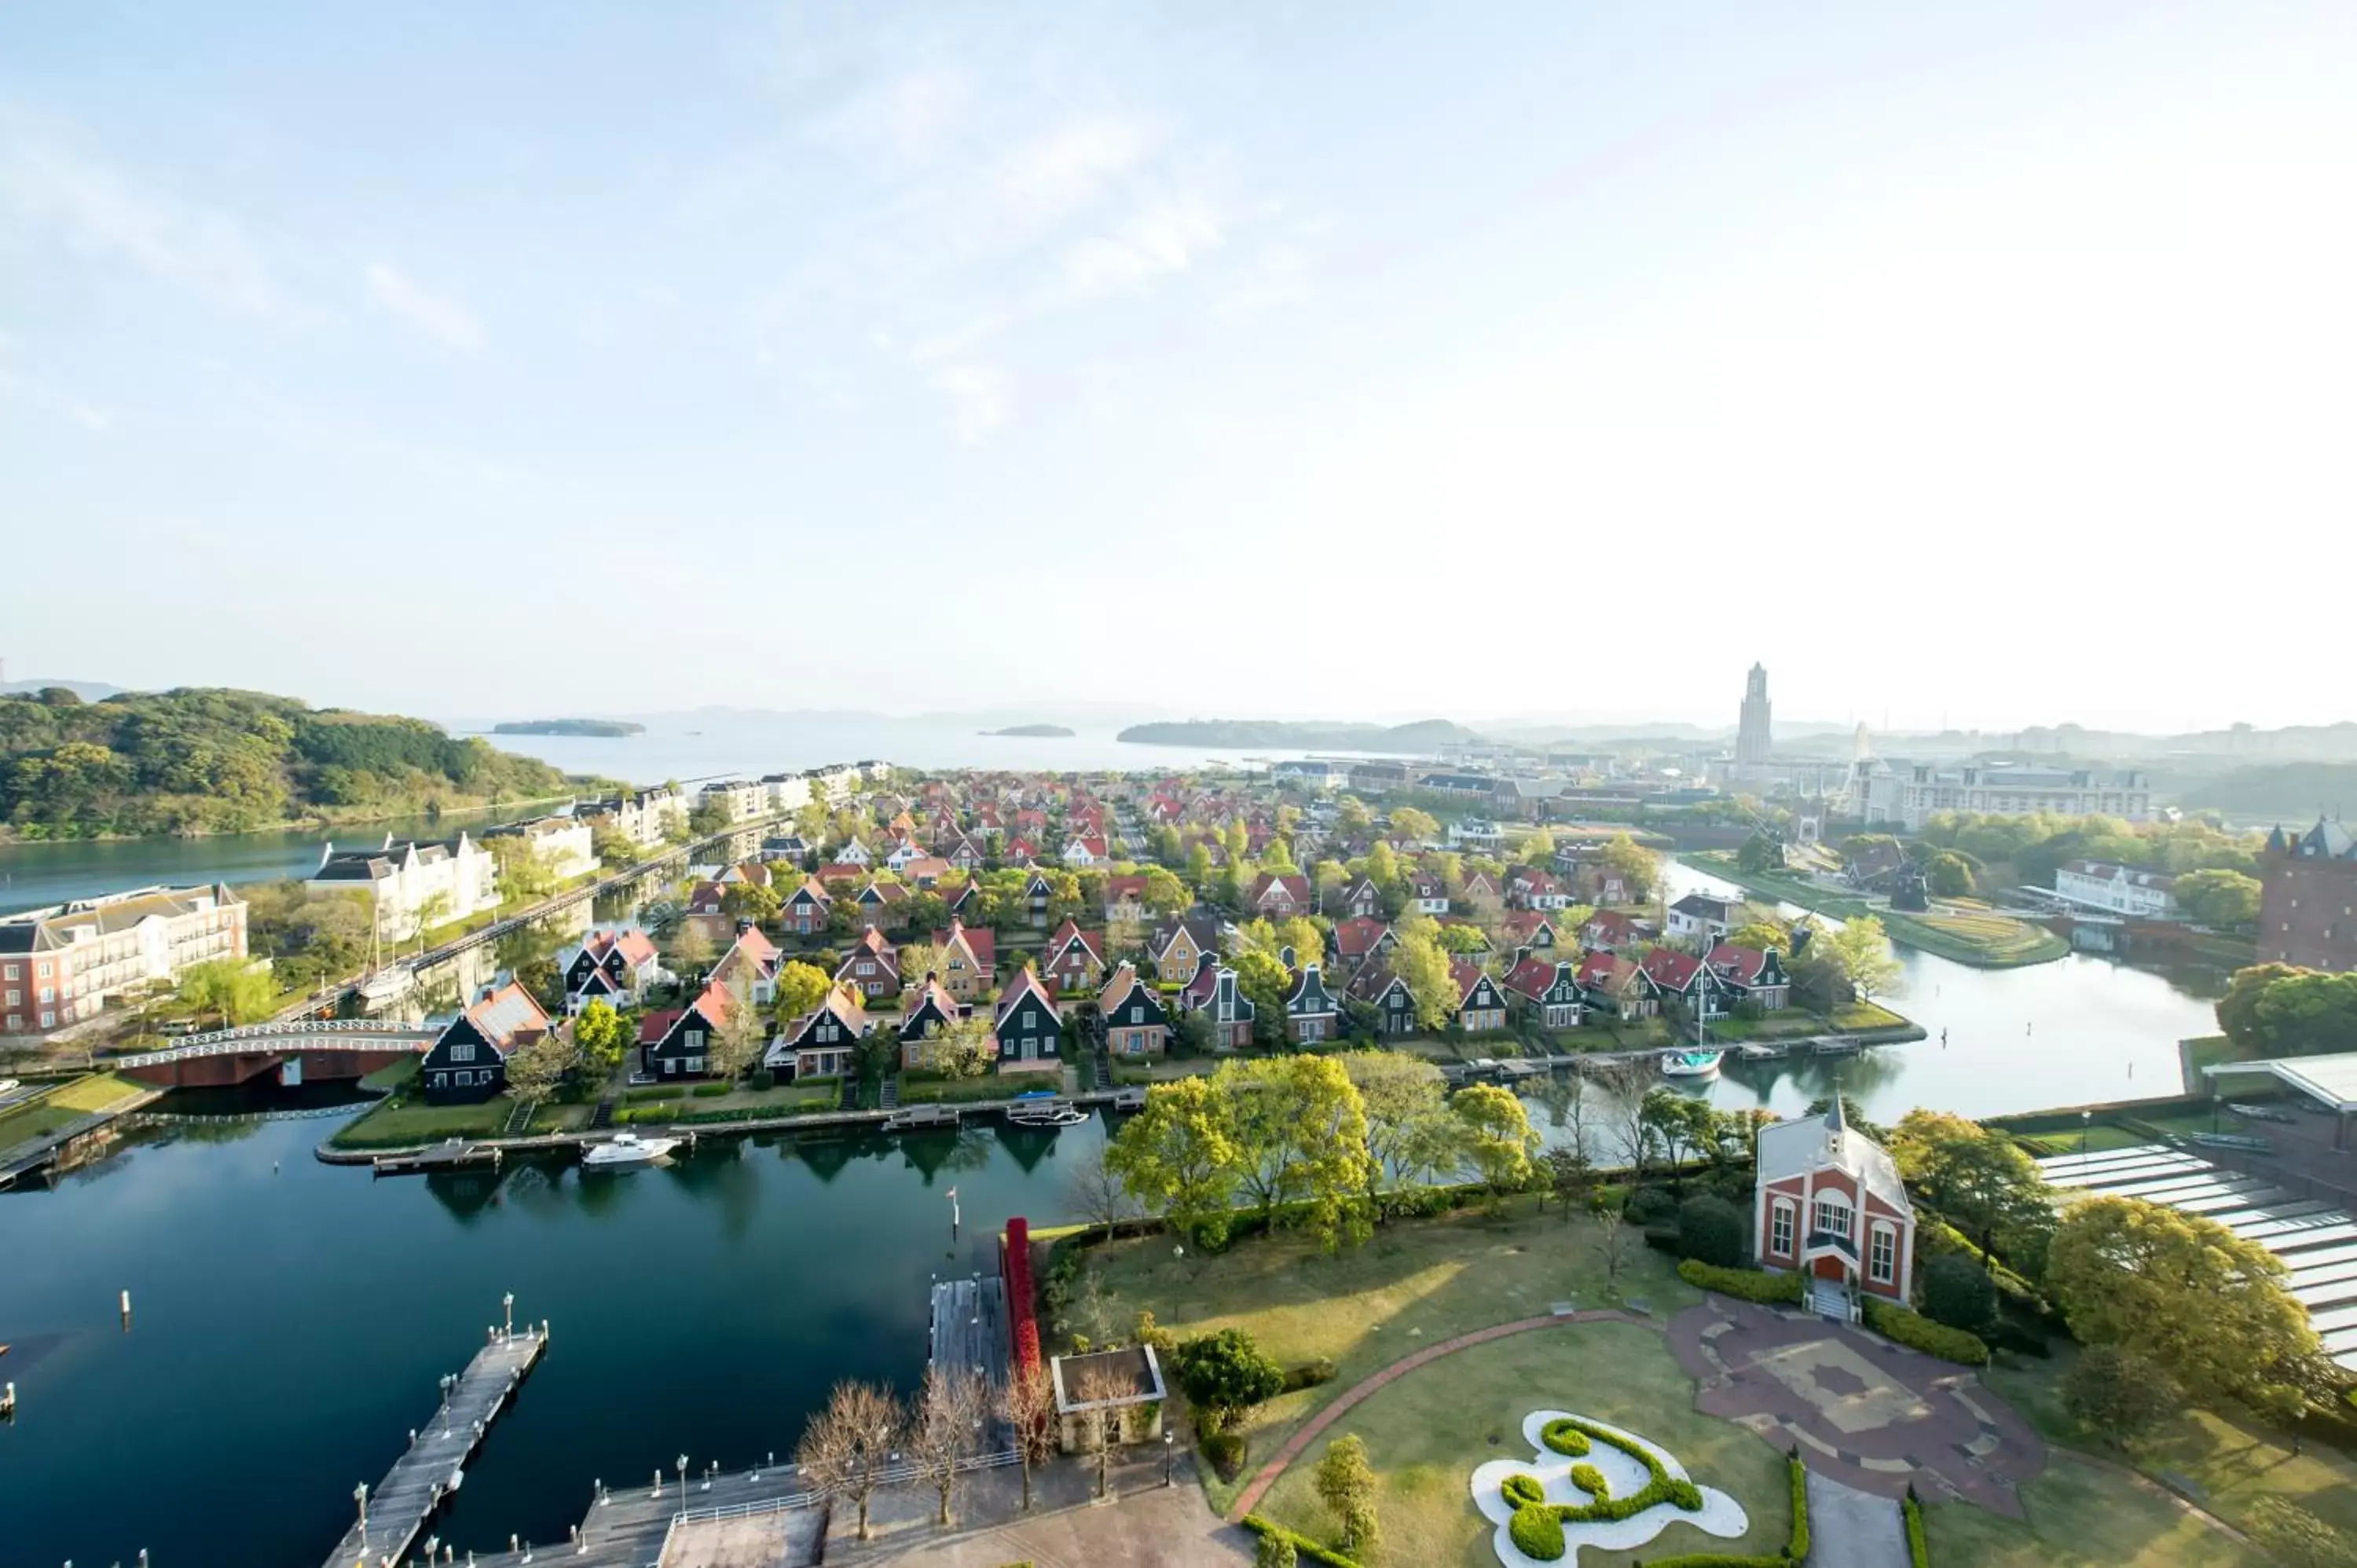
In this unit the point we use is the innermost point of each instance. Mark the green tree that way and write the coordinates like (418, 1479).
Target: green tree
(1712, 1229)
(1959, 1293)
(1302, 935)
(1949, 876)
(2218, 898)
(1679, 1123)
(1300, 1135)
(1265, 982)
(1179, 1158)
(536, 1070)
(709, 816)
(232, 990)
(1761, 935)
(1409, 1130)
(1499, 1138)
(1979, 1177)
(1639, 868)
(1224, 1374)
(964, 1049)
(524, 872)
(919, 959)
(1420, 963)
(1346, 1485)
(1420, 827)
(800, 987)
(2275, 1010)
(2207, 1306)
(1860, 954)
(601, 1035)
(2117, 1392)
(1164, 893)
(751, 901)
(1760, 851)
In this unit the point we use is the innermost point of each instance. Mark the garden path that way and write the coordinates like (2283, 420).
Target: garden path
(1850, 1529)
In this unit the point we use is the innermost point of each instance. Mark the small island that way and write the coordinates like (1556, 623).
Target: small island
(1034, 732)
(1425, 735)
(570, 726)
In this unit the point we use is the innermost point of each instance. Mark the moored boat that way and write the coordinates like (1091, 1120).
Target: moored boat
(1691, 1065)
(625, 1149)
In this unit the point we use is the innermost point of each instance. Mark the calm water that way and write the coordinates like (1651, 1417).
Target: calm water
(291, 1320)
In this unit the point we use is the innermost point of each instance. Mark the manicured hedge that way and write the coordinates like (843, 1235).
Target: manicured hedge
(711, 1090)
(1920, 1333)
(1796, 1550)
(1590, 1480)
(1661, 1486)
(1745, 1285)
(1523, 1489)
(1310, 1374)
(1535, 1529)
(1309, 1550)
(1564, 1437)
(1918, 1555)
(1020, 1301)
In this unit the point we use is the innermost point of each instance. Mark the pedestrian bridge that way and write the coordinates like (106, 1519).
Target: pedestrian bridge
(300, 1050)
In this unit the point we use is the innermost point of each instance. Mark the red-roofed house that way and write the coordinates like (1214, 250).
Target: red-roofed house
(1529, 887)
(807, 907)
(871, 967)
(1531, 928)
(1279, 894)
(1610, 930)
(1689, 978)
(612, 965)
(1614, 985)
(673, 1043)
(469, 1060)
(1480, 1004)
(1074, 960)
(823, 1042)
(1125, 899)
(749, 967)
(1548, 989)
(1359, 938)
(1754, 974)
(970, 954)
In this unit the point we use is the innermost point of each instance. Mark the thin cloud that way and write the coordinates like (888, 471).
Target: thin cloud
(445, 321)
(980, 400)
(1059, 173)
(99, 211)
(50, 400)
(1168, 237)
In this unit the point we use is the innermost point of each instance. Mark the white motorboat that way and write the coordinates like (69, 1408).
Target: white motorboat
(1691, 1064)
(624, 1149)
(1059, 1116)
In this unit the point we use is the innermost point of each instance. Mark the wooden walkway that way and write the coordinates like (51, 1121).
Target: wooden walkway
(970, 1333)
(400, 1505)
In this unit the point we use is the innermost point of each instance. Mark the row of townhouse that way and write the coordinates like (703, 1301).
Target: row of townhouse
(415, 882)
(647, 817)
(59, 965)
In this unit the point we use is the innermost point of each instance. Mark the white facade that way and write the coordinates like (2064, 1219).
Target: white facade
(2146, 895)
(1909, 793)
(743, 800)
(410, 883)
(562, 843)
(645, 819)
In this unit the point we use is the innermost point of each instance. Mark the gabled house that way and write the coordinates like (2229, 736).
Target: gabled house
(838, 876)
(856, 854)
(1030, 1031)
(883, 905)
(1213, 992)
(1702, 919)
(468, 1061)
(1038, 893)
(823, 1042)
(1610, 930)
(806, 907)
(1753, 975)
(1362, 938)
(1279, 894)
(1388, 994)
(961, 852)
(930, 1010)
(1614, 985)
(1428, 893)
(1022, 850)
(1310, 1010)
(1074, 960)
(749, 967)
(970, 954)
(1085, 850)
(1480, 1004)
(1828, 1202)
(1532, 888)
(1481, 895)
(1177, 948)
(1363, 900)
(673, 1043)
(1687, 978)
(1531, 929)
(1135, 1022)
(925, 871)
(613, 965)
(904, 851)
(871, 966)
(963, 899)
(755, 872)
(1125, 899)
(1547, 990)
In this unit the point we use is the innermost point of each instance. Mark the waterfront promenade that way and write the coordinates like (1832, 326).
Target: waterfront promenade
(395, 1510)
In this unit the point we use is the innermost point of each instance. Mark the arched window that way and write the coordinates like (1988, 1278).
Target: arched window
(1882, 1254)
(1831, 1215)
(1780, 1228)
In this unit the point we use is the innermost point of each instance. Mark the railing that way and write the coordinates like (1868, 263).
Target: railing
(891, 1475)
(1820, 1240)
(335, 1034)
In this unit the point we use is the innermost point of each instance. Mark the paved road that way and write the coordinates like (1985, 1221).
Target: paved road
(1850, 1529)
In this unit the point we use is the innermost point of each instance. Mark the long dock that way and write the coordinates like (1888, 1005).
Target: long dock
(398, 1506)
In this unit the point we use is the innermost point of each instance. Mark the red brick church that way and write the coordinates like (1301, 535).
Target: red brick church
(1829, 1203)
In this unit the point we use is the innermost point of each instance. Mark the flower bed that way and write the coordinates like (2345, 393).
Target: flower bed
(1626, 1496)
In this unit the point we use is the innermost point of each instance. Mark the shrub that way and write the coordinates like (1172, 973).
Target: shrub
(1565, 1437)
(2298, 1536)
(763, 1079)
(1920, 1333)
(1745, 1285)
(1274, 1551)
(1536, 1533)
(1523, 1489)
(1919, 1552)
(1711, 1230)
(1305, 1548)
(711, 1090)
(1797, 1475)
(653, 1091)
(2117, 1392)
(1590, 1480)
(1648, 1206)
(1959, 1293)
(1309, 1375)
(1227, 1374)
(1225, 1453)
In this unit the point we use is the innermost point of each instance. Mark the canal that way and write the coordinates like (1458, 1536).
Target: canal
(290, 1318)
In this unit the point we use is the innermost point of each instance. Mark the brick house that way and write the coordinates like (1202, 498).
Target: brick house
(1828, 1203)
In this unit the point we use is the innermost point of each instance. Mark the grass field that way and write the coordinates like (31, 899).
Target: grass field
(2082, 1516)
(1364, 1307)
(398, 1123)
(1426, 1432)
(1966, 930)
(67, 1104)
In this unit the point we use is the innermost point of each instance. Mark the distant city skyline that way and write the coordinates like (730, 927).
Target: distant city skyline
(1981, 366)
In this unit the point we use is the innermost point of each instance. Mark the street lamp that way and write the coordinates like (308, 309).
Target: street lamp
(359, 1496)
(1169, 1456)
(507, 1301)
(682, 1483)
(2085, 1117)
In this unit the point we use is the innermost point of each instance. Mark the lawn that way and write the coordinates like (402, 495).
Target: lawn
(1425, 1433)
(2082, 1516)
(1414, 1284)
(65, 1105)
(988, 1086)
(397, 1123)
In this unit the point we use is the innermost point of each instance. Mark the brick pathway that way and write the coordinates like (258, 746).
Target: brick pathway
(1249, 1498)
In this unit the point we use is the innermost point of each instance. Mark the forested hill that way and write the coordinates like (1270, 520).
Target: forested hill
(209, 760)
(1423, 735)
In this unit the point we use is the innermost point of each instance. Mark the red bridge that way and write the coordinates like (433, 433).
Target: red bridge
(303, 1051)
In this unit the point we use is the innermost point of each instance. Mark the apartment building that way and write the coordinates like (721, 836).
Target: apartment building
(59, 965)
(562, 843)
(1908, 793)
(410, 883)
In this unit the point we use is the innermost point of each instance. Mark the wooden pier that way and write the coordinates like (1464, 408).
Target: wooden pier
(398, 1506)
(454, 1154)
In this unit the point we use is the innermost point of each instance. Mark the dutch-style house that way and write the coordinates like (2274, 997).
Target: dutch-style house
(884, 905)
(612, 965)
(1279, 894)
(856, 854)
(961, 900)
(749, 967)
(1177, 948)
(1828, 1203)
(1693, 984)
(1030, 1032)
(468, 1061)
(969, 956)
(1135, 1022)
(1360, 939)
(1531, 928)
(931, 1010)
(1703, 921)
(1547, 990)
(1213, 992)
(807, 908)
(1428, 893)
(1085, 850)
(1610, 930)
(1387, 994)
(925, 872)
(905, 852)
(1310, 1010)
(963, 852)
(753, 872)
(1125, 899)
(1533, 887)
(1753, 975)
(1020, 850)
(1480, 1005)
(823, 1042)
(1038, 893)
(1074, 960)
(1615, 985)
(871, 966)
(1363, 900)
(1481, 893)
(838, 876)
(673, 1043)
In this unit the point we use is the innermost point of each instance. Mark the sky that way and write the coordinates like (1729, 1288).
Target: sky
(1980, 365)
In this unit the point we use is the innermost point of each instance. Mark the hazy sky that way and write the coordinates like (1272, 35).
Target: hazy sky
(1996, 362)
